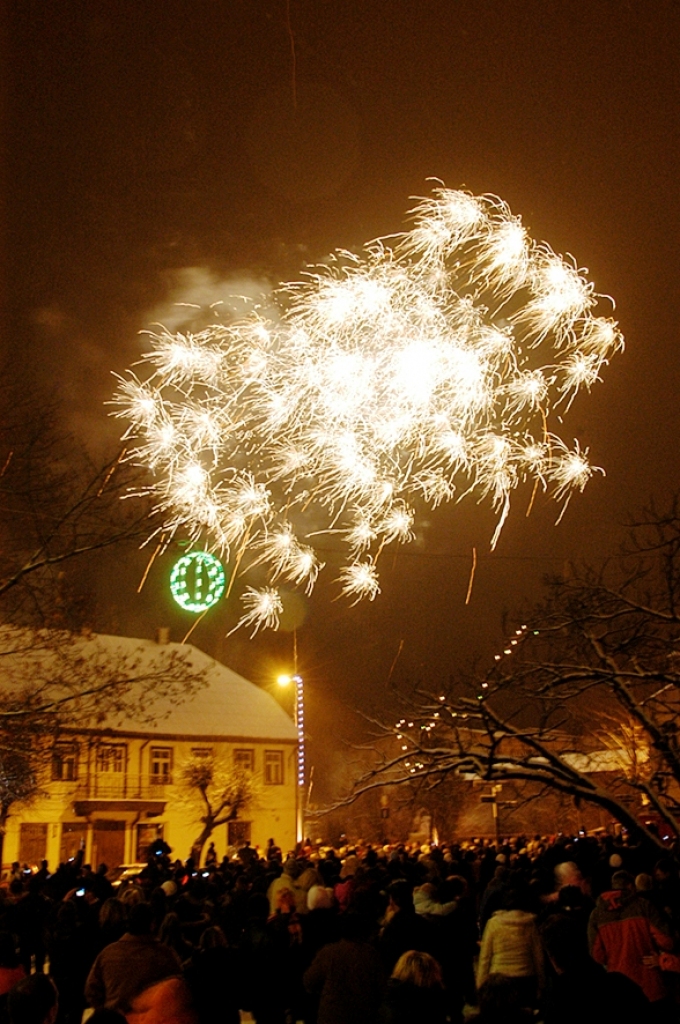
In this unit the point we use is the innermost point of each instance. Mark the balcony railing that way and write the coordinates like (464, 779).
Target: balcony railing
(122, 786)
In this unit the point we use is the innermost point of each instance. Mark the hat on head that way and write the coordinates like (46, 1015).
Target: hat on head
(318, 898)
(349, 866)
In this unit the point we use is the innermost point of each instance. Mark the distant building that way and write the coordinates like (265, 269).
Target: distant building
(114, 788)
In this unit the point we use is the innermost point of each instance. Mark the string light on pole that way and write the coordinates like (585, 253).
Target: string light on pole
(299, 719)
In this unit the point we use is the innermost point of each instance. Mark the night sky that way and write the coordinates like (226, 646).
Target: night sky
(181, 150)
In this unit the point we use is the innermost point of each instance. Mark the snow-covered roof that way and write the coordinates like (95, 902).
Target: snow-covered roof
(226, 706)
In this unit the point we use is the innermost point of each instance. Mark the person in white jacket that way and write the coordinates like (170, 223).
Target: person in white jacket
(425, 901)
(511, 945)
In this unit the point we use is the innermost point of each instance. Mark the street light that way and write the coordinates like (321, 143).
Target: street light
(299, 719)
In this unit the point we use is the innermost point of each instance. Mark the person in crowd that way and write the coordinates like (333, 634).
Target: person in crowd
(666, 890)
(308, 877)
(415, 992)
(193, 910)
(457, 946)
(320, 924)
(346, 884)
(158, 902)
(502, 1001)
(112, 921)
(277, 948)
(104, 1016)
(100, 884)
(568, 875)
(286, 880)
(170, 934)
(214, 978)
(164, 1002)
(33, 1000)
(262, 957)
(581, 989)
(493, 894)
(11, 971)
(272, 852)
(346, 977)
(72, 945)
(126, 968)
(511, 946)
(625, 931)
(571, 902)
(426, 901)
(644, 884)
(246, 854)
(31, 909)
(43, 873)
(129, 894)
(403, 929)
(284, 928)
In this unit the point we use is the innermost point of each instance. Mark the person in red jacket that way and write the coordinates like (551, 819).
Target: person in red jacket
(625, 934)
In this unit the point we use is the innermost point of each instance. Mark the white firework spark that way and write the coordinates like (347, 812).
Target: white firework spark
(412, 373)
(360, 580)
(262, 609)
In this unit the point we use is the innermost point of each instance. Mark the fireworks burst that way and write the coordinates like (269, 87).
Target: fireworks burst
(414, 373)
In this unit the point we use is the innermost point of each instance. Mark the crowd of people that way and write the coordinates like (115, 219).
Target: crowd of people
(535, 929)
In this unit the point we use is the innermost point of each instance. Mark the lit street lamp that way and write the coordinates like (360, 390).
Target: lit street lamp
(299, 718)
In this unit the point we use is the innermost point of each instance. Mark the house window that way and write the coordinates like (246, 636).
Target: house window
(65, 762)
(245, 759)
(238, 833)
(111, 759)
(161, 766)
(202, 752)
(273, 767)
(110, 782)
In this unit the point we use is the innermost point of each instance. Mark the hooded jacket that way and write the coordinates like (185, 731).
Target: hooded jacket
(511, 945)
(623, 928)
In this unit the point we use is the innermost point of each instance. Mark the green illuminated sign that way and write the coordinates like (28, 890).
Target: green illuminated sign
(197, 581)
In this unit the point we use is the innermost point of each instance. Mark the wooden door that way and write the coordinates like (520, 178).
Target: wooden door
(32, 843)
(72, 835)
(108, 844)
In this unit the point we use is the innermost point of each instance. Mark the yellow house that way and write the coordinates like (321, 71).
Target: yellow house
(116, 787)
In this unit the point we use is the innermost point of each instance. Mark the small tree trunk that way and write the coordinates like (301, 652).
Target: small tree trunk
(199, 843)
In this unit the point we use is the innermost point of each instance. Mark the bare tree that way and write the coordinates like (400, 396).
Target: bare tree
(584, 700)
(57, 510)
(18, 782)
(219, 790)
(57, 507)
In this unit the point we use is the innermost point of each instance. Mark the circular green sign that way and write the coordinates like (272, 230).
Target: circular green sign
(197, 581)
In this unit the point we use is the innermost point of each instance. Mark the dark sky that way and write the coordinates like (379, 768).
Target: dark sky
(243, 138)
